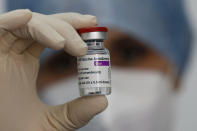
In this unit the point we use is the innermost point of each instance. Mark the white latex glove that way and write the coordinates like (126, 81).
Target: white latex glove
(23, 36)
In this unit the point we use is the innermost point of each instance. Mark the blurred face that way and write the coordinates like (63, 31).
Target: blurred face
(142, 85)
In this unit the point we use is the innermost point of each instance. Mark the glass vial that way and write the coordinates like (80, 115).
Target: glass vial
(94, 69)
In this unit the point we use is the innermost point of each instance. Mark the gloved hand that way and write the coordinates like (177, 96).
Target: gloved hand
(23, 36)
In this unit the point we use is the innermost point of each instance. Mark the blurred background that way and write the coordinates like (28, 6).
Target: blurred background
(186, 116)
(153, 47)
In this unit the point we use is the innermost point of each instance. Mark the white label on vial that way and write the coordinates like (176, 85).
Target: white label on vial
(94, 71)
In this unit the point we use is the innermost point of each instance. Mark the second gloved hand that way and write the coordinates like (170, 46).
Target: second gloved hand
(23, 36)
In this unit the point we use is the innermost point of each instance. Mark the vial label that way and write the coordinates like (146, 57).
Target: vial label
(94, 71)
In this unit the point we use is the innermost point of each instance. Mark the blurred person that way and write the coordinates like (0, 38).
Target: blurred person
(149, 42)
(23, 37)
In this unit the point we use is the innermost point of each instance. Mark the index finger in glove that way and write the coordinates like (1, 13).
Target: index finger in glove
(15, 19)
(42, 33)
(74, 45)
(77, 20)
(9, 22)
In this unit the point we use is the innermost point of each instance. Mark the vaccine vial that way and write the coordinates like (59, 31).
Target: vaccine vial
(94, 69)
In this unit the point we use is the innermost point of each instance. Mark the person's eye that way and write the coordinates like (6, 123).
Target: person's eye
(59, 63)
(58, 66)
(125, 51)
(132, 52)
(62, 62)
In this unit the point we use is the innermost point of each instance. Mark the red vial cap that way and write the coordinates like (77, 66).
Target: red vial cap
(92, 29)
